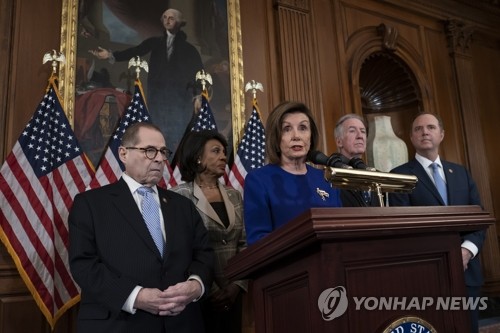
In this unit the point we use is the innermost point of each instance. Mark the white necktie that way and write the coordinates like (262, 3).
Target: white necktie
(170, 47)
(151, 214)
(440, 185)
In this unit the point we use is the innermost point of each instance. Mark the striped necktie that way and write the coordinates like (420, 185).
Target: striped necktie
(151, 214)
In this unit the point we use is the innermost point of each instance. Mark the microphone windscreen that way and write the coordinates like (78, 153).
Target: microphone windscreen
(357, 163)
(337, 160)
(318, 157)
(344, 159)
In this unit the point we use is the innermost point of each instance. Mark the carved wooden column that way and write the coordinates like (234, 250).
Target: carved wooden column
(459, 37)
(7, 9)
(299, 66)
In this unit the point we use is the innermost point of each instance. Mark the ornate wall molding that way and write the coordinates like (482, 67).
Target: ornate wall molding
(389, 36)
(302, 5)
(459, 36)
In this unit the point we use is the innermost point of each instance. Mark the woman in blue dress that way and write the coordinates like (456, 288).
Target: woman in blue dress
(287, 186)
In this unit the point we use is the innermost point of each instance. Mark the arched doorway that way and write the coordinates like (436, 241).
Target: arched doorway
(389, 87)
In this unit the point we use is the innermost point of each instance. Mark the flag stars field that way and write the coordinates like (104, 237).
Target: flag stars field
(251, 150)
(110, 167)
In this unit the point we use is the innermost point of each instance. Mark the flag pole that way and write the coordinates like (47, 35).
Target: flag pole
(204, 78)
(250, 154)
(254, 86)
(138, 63)
(56, 60)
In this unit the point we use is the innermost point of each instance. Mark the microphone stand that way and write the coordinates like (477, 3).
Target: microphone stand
(380, 195)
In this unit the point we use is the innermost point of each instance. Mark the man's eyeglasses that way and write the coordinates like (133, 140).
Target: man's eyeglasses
(151, 152)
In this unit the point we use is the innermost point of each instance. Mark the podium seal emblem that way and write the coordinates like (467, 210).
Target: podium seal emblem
(409, 324)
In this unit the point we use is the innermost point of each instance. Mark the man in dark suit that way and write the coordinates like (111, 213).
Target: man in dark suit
(426, 135)
(173, 64)
(128, 282)
(350, 137)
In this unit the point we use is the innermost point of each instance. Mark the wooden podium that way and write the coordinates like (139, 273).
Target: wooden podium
(411, 252)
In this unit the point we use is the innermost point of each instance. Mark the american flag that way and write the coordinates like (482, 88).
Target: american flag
(251, 150)
(204, 120)
(38, 182)
(110, 167)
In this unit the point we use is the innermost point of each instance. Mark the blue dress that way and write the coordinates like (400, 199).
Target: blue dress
(273, 197)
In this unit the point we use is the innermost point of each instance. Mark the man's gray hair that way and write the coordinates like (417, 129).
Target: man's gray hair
(339, 129)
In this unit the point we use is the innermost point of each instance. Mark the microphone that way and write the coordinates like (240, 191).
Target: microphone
(338, 160)
(335, 160)
(358, 163)
(318, 157)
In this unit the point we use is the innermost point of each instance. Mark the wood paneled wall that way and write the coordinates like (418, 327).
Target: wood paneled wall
(28, 30)
(308, 50)
(295, 37)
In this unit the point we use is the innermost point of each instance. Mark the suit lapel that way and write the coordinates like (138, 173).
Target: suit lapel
(424, 179)
(231, 214)
(451, 181)
(168, 214)
(124, 202)
(203, 205)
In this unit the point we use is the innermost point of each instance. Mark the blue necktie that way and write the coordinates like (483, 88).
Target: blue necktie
(367, 197)
(151, 214)
(438, 180)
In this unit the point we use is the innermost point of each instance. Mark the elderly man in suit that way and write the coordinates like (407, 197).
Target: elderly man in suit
(140, 253)
(442, 183)
(350, 137)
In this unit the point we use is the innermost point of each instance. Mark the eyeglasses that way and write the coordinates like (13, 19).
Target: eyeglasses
(151, 152)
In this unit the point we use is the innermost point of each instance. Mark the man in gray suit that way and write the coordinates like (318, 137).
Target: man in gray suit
(128, 282)
(427, 133)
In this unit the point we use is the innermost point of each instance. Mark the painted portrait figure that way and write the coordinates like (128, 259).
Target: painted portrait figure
(176, 38)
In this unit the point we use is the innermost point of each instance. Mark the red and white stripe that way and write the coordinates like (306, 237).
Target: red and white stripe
(34, 227)
(237, 175)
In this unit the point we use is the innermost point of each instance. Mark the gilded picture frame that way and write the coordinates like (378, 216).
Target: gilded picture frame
(71, 34)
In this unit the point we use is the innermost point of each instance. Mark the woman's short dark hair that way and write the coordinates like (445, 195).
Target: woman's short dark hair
(191, 151)
(274, 131)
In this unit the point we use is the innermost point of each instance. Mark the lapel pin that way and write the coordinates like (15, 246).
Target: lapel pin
(164, 200)
(450, 170)
(322, 194)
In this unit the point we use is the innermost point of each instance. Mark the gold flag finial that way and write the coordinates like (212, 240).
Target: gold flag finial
(138, 64)
(253, 85)
(204, 78)
(55, 57)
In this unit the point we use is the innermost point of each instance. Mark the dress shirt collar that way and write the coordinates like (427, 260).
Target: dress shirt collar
(170, 35)
(133, 185)
(427, 162)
